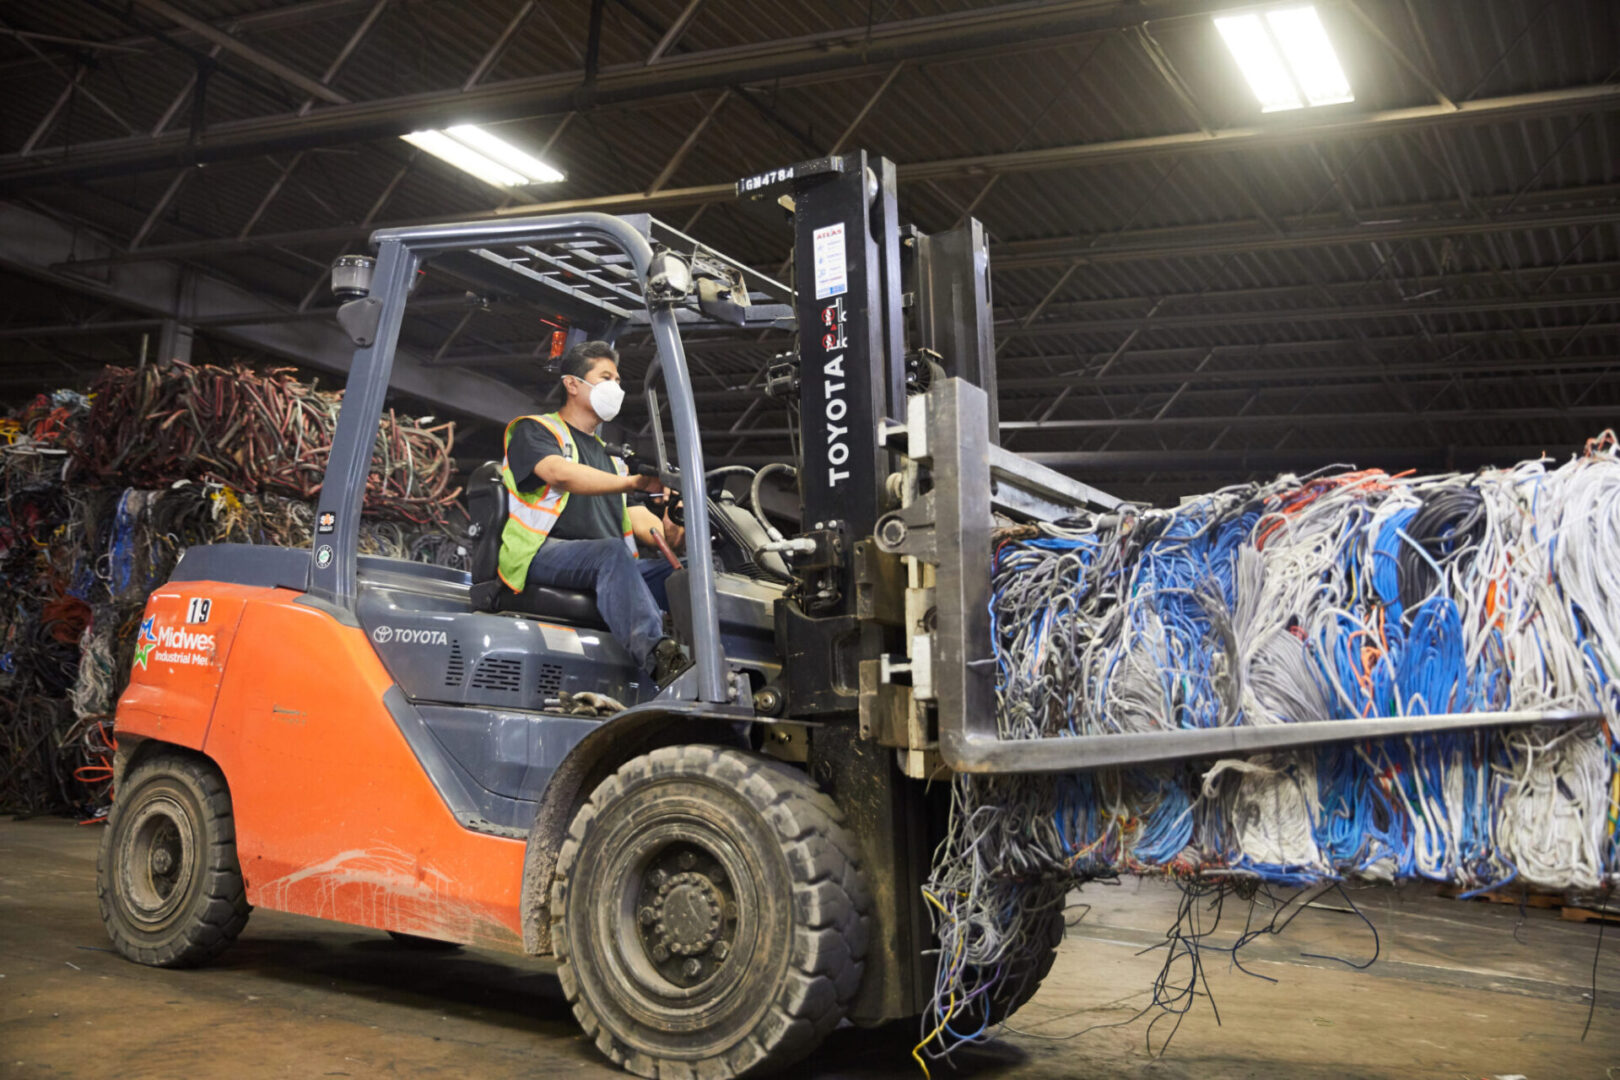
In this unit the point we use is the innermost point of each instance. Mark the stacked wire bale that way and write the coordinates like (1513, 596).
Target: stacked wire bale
(102, 493)
(1336, 596)
(257, 433)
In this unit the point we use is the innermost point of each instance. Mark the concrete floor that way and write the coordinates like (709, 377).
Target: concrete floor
(1460, 991)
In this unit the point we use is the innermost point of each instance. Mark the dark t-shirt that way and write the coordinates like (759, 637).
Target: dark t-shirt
(586, 517)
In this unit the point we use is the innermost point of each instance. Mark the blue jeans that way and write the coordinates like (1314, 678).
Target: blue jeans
(629, 592)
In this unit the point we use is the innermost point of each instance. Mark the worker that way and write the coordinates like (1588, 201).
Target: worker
(570, 523)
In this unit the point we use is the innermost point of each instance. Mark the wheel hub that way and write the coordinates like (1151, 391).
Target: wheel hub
(687, 912)
(689, 908)
(157, 859)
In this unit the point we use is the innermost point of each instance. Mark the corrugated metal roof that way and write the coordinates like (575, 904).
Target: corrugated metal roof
(1384, 317)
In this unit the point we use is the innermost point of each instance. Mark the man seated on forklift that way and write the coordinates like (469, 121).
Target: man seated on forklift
(570, 523)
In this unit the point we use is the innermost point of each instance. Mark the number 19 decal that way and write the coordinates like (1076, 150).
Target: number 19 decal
(197, 609)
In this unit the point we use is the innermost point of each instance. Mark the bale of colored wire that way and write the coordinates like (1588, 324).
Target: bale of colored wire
(1330, 597)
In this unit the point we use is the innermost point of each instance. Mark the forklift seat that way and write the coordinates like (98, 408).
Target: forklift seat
(572, 606)
(486, 512)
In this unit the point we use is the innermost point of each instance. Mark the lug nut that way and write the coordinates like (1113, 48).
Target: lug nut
(647, 916)
(692, 969)
(720, 951)
(687, 860)
(657, 879)
(660, 953)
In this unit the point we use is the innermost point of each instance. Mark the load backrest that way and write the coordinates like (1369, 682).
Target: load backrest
(486, 507)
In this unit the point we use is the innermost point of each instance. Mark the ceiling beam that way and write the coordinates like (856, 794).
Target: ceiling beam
(1339, 422)
(640, 202)
(1389, 224)
(1294, 377)
(1289, 315)
(285, 72)
(33, 244)
(1407, 287)
(1074, 364)
(1297, 128)
(295, 16)
(838, 53)
(1199, 240)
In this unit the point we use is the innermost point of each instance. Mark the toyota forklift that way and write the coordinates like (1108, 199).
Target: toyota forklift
(727, 867)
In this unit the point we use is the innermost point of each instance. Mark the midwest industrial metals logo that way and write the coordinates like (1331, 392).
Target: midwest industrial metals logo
(172, 645)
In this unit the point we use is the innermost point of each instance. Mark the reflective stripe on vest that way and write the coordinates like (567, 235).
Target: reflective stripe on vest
(531, 517)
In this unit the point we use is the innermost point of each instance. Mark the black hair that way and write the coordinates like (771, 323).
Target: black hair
(579, 359)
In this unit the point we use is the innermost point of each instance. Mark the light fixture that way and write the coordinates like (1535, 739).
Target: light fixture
(489, 157)
(1286, 57)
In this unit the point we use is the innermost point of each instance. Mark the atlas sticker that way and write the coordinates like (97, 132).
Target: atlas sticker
(832, 272)
(172, 645)
(323, 556)
(406, 635)
(327, 522)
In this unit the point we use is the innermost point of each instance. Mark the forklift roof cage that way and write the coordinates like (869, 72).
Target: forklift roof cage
(611, 285)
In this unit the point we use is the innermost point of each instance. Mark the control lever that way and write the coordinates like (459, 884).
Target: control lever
(663, 546)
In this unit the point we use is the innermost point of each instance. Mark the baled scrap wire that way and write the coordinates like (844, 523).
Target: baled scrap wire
(1337, 596)
(255, 432)
(80, 551)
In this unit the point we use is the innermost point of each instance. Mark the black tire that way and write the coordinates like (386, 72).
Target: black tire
(423, 944)
(708, 914)
(167, 877)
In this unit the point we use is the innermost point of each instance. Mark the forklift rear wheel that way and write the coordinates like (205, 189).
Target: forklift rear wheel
(170, 889)
(709, 914)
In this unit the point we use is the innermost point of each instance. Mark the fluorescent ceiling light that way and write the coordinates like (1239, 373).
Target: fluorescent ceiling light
(1310, 55)
(1286, 57)
(490, 158)
(499, 150)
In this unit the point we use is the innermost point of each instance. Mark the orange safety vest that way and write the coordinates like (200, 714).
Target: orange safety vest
(530, 517)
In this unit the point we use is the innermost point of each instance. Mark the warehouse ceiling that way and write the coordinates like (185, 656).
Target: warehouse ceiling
(1188, 292)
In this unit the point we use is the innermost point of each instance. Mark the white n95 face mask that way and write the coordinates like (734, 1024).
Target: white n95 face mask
(606, 398)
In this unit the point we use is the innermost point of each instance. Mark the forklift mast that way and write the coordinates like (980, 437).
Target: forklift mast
(866, 291)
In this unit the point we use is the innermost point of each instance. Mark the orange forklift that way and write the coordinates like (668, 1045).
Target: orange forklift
(731, 865)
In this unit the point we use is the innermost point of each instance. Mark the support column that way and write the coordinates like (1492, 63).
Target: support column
(174, 341)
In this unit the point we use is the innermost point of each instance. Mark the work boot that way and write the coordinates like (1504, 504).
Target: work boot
(668, 662)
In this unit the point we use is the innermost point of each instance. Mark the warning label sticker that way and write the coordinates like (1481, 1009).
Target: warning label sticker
(832, 273)
(562, 639)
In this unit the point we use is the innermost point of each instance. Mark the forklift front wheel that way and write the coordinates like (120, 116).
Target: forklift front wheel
(167, 877)
(709, 914)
